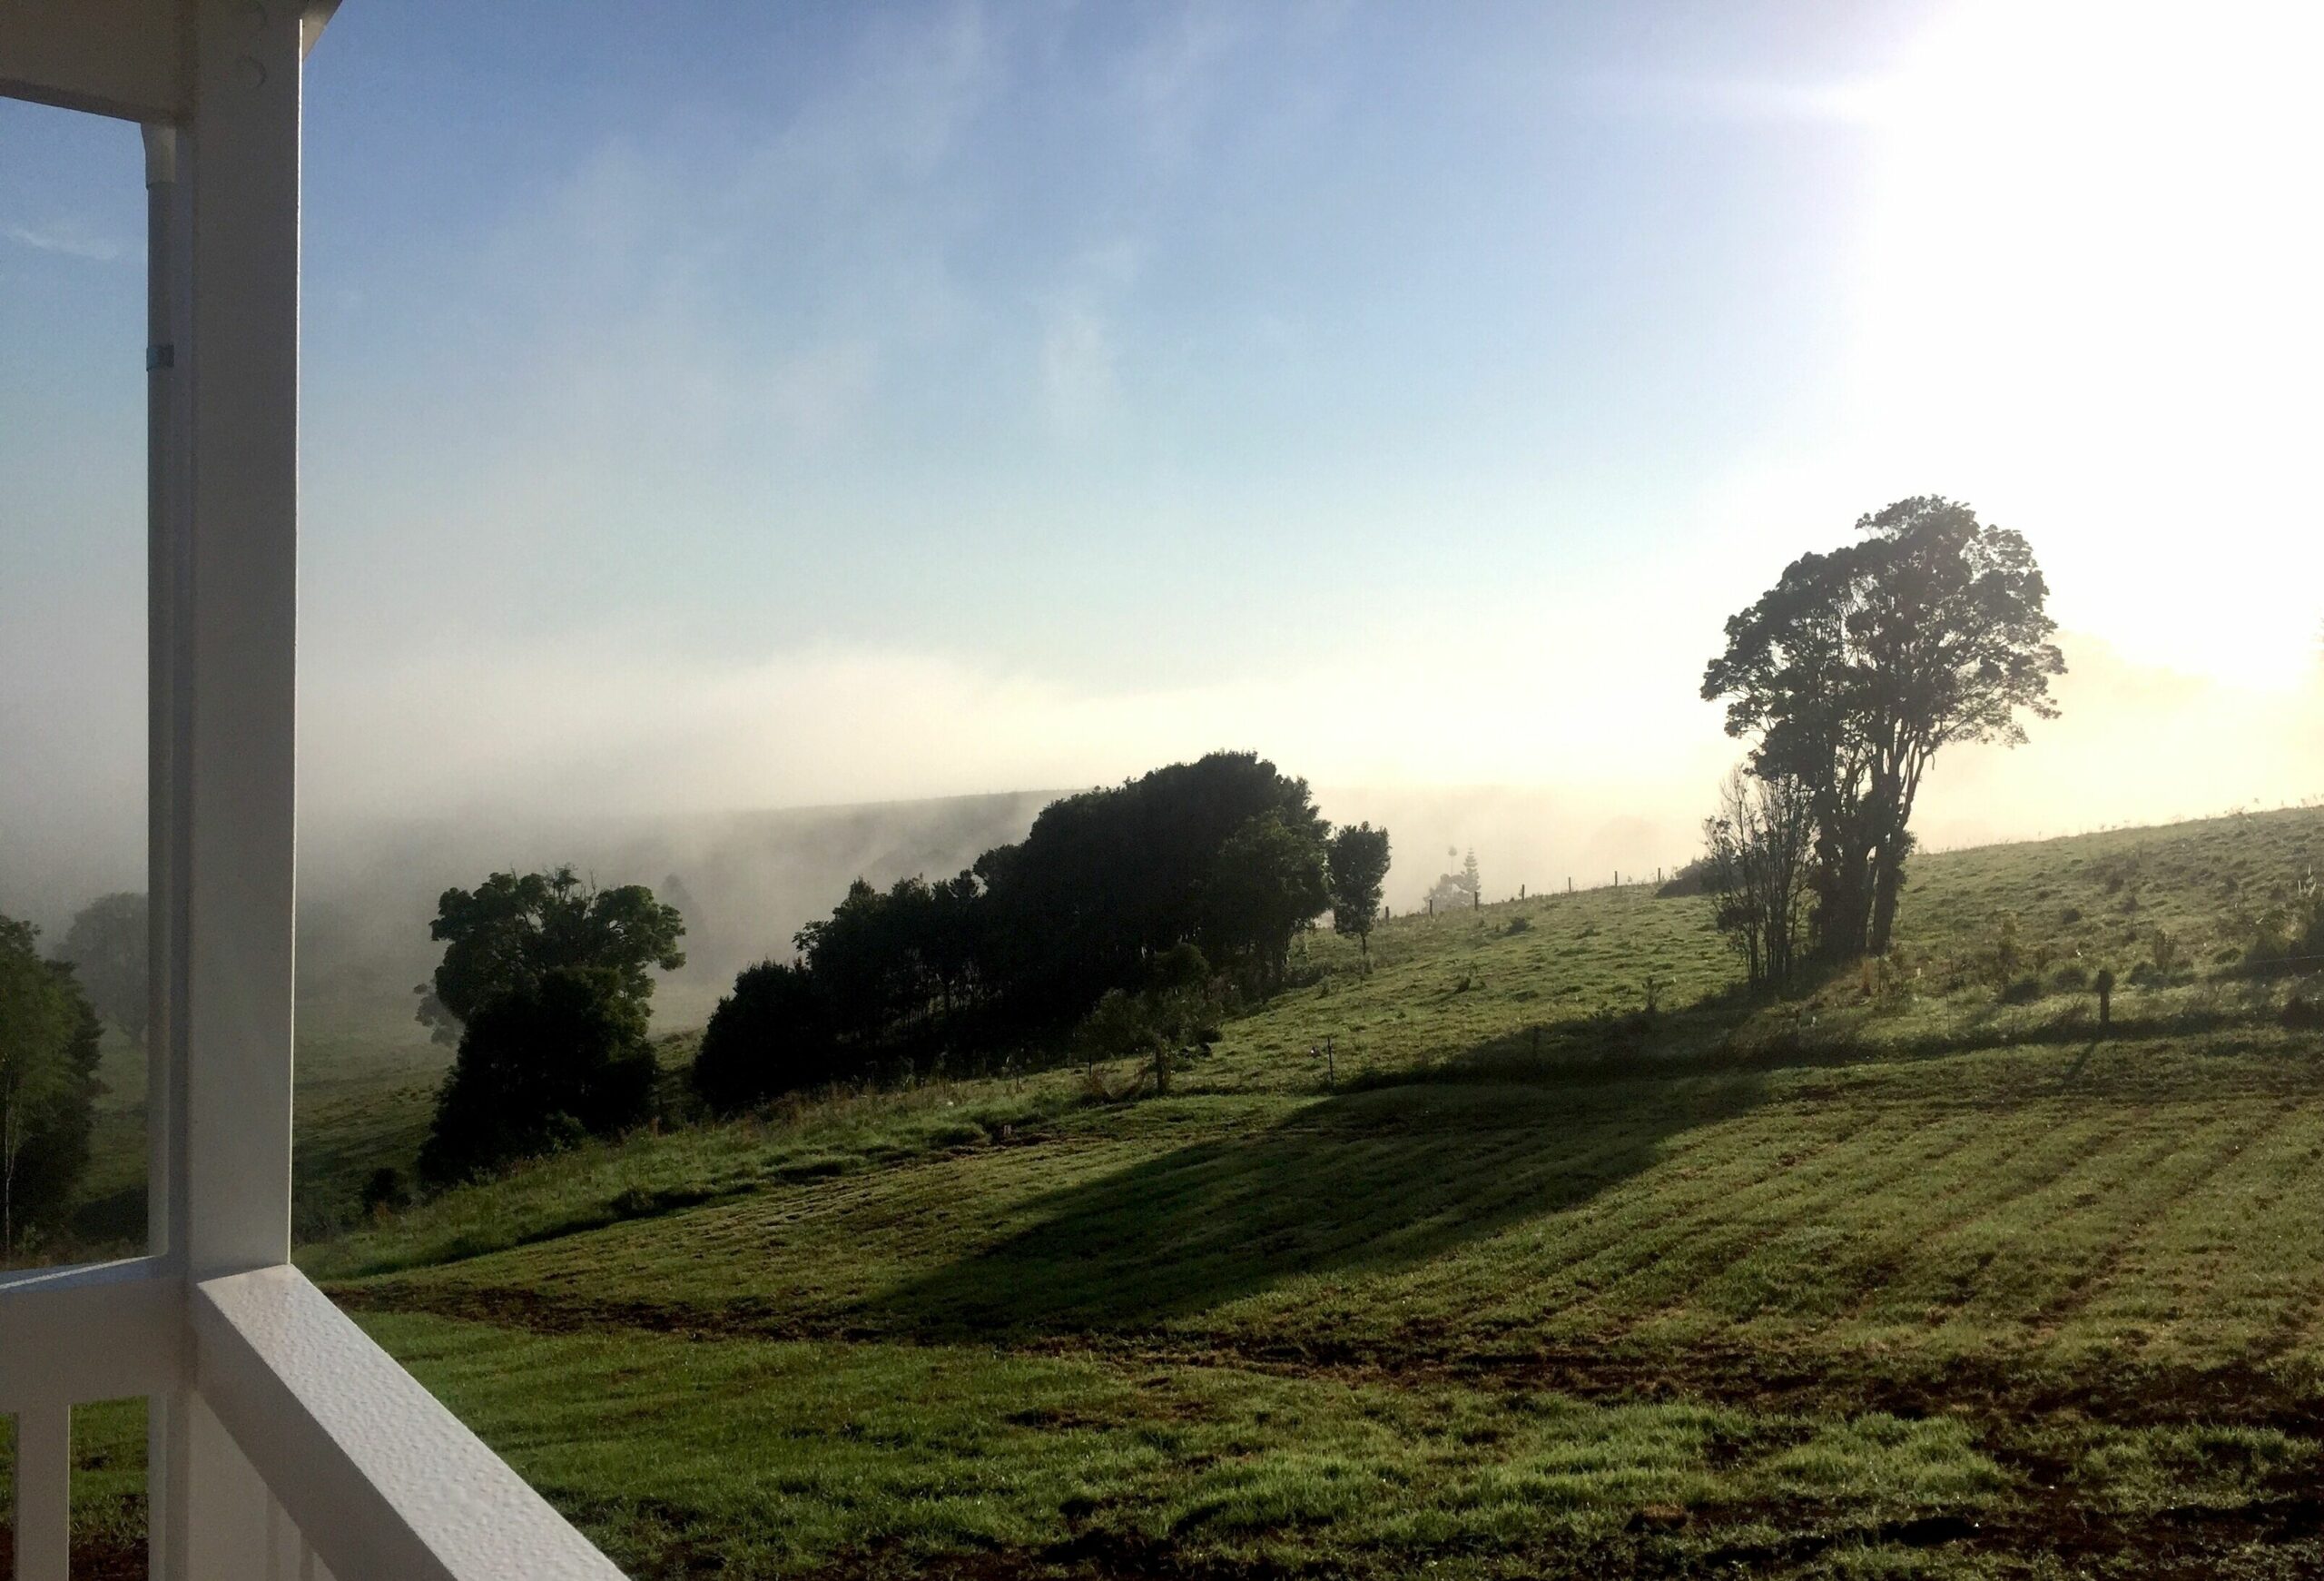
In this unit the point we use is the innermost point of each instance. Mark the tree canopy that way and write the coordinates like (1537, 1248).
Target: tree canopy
(1358, 859)
(1267, 884)
(547, 980)
(1221, 861)
(106, 946)
(1107, 878)
(1862, 663)
(509, 932)
(772, 1035)
(542, 1065)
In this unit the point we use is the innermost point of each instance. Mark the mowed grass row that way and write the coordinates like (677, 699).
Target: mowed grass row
(1911, 1276)
(764, 1457)
(2141, 1220)
(1553, 998)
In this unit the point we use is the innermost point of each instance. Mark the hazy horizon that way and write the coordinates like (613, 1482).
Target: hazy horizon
(833, 408)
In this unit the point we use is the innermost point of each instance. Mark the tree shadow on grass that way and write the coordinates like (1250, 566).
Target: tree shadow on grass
(1368, 1183)
(1731, 1033)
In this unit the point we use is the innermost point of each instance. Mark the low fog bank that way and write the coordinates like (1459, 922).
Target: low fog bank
(368, 885)
(745, 882)
(2134, 744)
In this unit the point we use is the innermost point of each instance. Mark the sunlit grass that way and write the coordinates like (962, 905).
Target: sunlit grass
(794, 1454)
(1913, 1274)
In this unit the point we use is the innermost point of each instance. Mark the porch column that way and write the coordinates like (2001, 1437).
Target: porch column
(224, 643)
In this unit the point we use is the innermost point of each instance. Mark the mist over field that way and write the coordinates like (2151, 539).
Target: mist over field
(1414, 478)
(384, 834)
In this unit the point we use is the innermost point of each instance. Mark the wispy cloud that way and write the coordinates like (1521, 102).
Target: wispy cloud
(758, 295)
(66, 237)
(1170, 82)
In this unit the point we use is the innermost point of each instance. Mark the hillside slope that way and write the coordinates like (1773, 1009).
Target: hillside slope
(1916, 1275)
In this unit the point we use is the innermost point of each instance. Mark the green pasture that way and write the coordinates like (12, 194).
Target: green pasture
(1564, 1260)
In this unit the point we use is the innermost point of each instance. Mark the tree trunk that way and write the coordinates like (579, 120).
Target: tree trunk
(1843, 909)
(1888, 881)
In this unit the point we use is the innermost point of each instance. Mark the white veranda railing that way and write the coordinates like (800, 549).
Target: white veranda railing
(284, 1443)
(348, 1469)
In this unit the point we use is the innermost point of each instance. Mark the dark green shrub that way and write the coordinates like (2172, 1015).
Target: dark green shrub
(774, 1033)
(540, 1068)
(384, 1189)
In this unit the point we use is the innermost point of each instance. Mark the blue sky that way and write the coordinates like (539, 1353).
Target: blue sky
(714, 406)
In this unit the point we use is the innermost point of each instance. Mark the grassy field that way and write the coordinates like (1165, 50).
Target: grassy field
(367, 1079)
(1578, 1265)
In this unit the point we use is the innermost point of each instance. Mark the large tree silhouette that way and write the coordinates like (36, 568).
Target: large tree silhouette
(509, 932)
(1860, 664)
(1358, 858)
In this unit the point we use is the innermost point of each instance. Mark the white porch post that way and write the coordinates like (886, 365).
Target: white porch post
(284, 1441)
(240, 625)
(227, 640)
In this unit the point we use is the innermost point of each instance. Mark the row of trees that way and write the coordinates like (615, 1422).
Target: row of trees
(1849, 676)
(1130, 912)
(1223, 860)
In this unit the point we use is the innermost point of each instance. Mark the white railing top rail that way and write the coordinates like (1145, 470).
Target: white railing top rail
(68, 1336)
(96, 1331)
(382, 1483)
(385, 1483)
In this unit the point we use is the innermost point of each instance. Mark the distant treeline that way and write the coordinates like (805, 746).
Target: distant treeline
(1124, 924)
(1225, 856)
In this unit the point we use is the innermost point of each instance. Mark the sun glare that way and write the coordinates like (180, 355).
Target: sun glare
(2087, 301)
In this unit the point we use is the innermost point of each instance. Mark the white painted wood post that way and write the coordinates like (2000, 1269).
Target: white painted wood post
(231, 641)
(238, 780)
